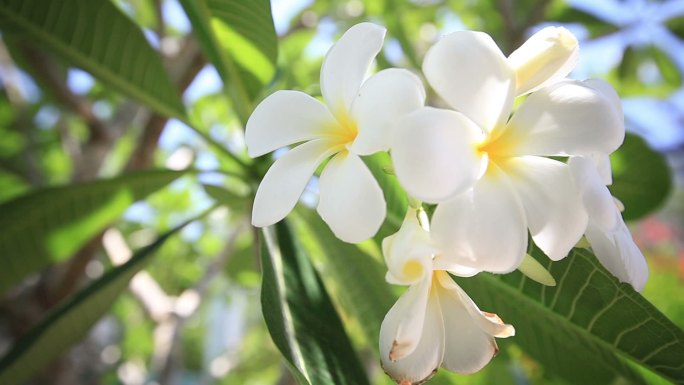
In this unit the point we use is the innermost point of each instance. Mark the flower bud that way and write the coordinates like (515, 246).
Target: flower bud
(549, 55)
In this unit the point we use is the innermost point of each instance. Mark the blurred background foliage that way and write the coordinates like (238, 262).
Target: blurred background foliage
(192, 315)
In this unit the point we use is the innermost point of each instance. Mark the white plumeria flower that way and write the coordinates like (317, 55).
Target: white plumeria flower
(489, 173)
(607, 233)
(355, 120)
(434, 323)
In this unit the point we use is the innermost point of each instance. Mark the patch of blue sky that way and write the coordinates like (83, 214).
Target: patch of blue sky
(207, 82)
(283, 12)
(322, 40)
(141, 212)
(175, 16)
(46, 118)
(175, 134)
(22, 82)
(79, 81)
(658, 121)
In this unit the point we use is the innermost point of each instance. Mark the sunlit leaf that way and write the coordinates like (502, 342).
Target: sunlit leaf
(586, 327)
(300, 316)
(641, 177)
(51, 224)
(239, 38)
(71, 320)
(96, 36)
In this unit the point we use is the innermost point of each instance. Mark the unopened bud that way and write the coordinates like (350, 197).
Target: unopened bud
(549, 55)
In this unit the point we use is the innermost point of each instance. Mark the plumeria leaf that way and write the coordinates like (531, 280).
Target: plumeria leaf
(369, 298)
(49, 225)
(300, 316)
(397, 201)
(641, 177)
(96, 36)
(587, 329)
(239, 38)
(70, 321)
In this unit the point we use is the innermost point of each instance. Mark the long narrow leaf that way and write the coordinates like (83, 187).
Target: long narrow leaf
(70, 322)
(98, 37)
(300, 316)
(51, 224)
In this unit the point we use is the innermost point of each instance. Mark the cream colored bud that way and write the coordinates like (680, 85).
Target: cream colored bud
(547, 56)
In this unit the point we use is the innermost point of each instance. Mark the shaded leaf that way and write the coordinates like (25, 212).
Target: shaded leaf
(641, 177)
(369, 297)
(300, 316)
(51, 224)
(583, 328)
(71, 320)
(98, 37)
(380, 164)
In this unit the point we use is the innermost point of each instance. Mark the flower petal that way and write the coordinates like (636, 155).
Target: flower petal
(546, 57)
(346, 64)
(383, 99)
(471, 74)
(285, 180)
(553, 206)
(618, 253)
(468, 347)
(351, 202)
(596, 198)
(434, 153)
(466, 226)
(402, 327)
(284, 118)
(408, 252)
(567, 118)
(427, 337)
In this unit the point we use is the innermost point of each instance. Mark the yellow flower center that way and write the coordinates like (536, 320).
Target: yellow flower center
(497, 149)
(412, 270)
(346, 130)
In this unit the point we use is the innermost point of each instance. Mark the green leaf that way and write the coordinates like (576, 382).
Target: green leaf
(239, 38)
(380, 165)
(71, 320)
(51, 224)
(369, 297)
(589, 327)
(98, 37)
(641, 177)
(300, 316)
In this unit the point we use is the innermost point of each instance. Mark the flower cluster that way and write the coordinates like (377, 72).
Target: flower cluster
(494, 174)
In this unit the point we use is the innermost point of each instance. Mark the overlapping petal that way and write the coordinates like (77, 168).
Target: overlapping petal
(469, 342)
(484, 227)
(546, 57)
(434, 153)
(596, 198)
(471, 74)
(382, 100)
(424, 357)
(284, 182)
(567, 118)
(351, 202)
(284, 118)
(618, 253)
(553, 208)
(346, 64)
(408, 252)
